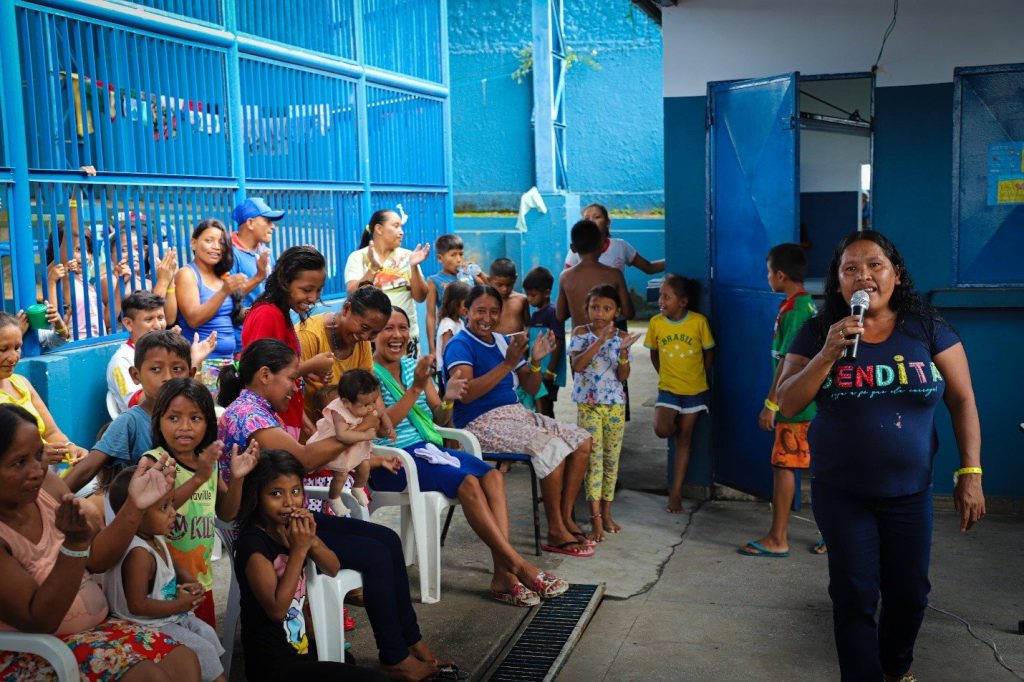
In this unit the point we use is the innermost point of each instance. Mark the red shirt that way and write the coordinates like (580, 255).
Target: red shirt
(266, 321)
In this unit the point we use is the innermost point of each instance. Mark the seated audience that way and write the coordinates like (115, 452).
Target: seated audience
(50, 545)
(260, 389)
(493, 365)
(160, 356)
(414, 406)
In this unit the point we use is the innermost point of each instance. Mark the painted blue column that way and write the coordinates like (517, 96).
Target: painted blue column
(544, 147)
(22, 256)
(362, 109)
(236, 118)
(449, 200)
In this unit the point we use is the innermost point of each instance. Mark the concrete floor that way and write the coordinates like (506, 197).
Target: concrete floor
(682, 605)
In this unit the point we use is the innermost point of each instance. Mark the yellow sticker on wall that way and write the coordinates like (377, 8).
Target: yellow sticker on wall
(1010, 192)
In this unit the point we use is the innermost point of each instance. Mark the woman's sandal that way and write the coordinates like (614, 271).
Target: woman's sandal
(519, 595)
(584, 540)
(549, 586)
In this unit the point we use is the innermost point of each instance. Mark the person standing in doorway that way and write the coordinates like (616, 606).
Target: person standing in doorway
(787, 269)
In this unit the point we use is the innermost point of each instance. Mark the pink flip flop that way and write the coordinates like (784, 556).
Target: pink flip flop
(564, 549)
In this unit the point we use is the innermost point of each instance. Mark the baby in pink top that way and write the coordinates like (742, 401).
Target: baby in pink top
(351, 417)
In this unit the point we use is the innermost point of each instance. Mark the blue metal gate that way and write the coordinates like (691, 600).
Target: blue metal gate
(753, 149)
(328, 108)
(988, 196)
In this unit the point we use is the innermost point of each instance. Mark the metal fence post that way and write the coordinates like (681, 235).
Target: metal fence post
(22, 252)
(236, 119)
(362, 111)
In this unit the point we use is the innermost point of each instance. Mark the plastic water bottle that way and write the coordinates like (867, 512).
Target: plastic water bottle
(468, 273)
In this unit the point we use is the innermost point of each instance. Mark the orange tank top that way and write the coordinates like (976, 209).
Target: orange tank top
(90, 606)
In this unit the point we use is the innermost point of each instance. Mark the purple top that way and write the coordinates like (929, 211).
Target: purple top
(247, 415)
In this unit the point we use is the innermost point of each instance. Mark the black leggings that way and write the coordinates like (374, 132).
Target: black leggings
(376, 552)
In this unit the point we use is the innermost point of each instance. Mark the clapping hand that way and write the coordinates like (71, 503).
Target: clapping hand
(627, 342)
(207, 458)
(419, 254)
(262, 261)
(234, 283)
(517, 345)
(151, 481)
(455, 388)
(243, 463)
(187, 600)
(75, 520)
(423, 371)
(166, 267)
(201, 349)
(543, 345)
(320, 367)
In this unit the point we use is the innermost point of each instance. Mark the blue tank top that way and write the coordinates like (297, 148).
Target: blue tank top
(220, 323)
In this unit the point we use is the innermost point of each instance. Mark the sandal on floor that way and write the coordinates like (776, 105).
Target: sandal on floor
(587, 551)
(549, 586)
(584, 540)
(519, 595)
(450, 672)
(819, 548)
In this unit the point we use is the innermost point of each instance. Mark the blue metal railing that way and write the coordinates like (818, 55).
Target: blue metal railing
(203, 10)
(326, 26)
(406, 138)
(404, 36)
(119, 100)
(299, 124)
(329, 109)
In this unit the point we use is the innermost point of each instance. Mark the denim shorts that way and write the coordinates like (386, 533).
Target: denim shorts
(684, 404)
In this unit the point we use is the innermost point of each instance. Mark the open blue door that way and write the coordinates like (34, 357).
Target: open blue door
(753, 204)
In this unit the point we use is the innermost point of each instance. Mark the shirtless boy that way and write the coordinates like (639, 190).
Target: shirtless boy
(574, 283)
(515, 311)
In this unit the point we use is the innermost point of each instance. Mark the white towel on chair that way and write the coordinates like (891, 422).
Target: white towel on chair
(436, 455)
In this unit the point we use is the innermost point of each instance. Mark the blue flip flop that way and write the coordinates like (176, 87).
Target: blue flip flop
(762, 551)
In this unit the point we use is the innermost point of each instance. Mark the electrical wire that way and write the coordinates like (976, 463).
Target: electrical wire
(988, 642)
(888, 32)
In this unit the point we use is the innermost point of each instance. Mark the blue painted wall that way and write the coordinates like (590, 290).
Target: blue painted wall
(614, 114)
(912, 197)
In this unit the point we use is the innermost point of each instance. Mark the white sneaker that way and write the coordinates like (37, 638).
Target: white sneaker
(337, 506)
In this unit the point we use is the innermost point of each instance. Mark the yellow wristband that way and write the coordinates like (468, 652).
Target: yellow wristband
(774, 407)
(170, 290)
(965, 470)
(447, 404)
(623, 361)
(535, 368)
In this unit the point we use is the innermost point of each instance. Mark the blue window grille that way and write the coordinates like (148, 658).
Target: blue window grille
(329, 109)
(401, 36)
(203, 10)
(299, 124)
(406, 138)
(119, 100)
(326, 26)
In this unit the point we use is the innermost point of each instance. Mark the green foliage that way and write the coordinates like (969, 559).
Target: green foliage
(572, 57)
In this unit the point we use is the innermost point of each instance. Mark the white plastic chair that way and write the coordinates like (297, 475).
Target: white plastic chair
(224, 531)
(421, 515)
(113, 409)
(326, 597)
(54, 650)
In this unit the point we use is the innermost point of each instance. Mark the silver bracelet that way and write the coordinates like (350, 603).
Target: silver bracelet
(76, 553)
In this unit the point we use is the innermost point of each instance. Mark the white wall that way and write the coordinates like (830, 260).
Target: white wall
(709, 40)
(830, 162)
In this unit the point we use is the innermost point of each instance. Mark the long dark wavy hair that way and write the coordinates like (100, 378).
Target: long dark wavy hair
(905, 301)
(286, 270)
(198, 394)
(272, 463)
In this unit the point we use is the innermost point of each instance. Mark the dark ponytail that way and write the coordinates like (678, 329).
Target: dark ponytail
(376, 219)
(270, 353)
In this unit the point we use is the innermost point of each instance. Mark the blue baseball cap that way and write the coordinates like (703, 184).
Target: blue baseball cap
(254, 207)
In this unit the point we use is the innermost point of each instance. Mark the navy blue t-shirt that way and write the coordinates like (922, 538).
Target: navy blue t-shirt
(875, 429)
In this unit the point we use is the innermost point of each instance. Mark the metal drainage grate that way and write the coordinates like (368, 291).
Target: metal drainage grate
(542, 647)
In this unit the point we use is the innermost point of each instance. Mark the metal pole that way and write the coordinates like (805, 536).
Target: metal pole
(236, 117)
(362, 117)
(22, 249)
(543, 99)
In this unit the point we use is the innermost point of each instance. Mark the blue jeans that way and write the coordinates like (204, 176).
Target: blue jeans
(877, 546)
(376, 552)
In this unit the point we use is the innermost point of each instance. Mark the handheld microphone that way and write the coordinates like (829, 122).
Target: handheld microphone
(859, 304)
